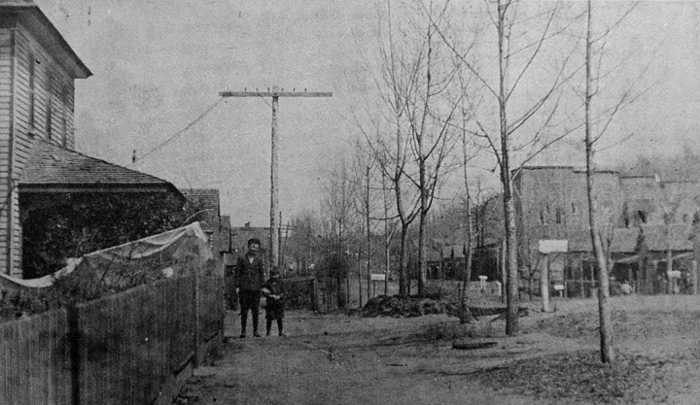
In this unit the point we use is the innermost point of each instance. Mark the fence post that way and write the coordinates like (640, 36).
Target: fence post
(74, 352)
(694, 277)
(544, 284)
(195, 298)
(315, 294)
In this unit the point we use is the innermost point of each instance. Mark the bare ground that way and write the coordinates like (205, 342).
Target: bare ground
(336, 359)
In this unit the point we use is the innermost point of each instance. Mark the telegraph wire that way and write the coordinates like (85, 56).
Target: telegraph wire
(178, 133)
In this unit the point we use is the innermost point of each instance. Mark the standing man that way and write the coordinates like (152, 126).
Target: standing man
(250, 277)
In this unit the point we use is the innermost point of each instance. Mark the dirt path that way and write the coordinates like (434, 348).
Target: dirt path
(339, 360)
(335, 359)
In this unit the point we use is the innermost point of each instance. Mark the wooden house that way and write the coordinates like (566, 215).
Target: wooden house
(38, 166)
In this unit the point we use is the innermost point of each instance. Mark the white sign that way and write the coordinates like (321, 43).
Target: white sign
(553, 246)
(558, 287)
(377, 277)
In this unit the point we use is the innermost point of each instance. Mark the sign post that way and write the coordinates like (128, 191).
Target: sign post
(548, 247)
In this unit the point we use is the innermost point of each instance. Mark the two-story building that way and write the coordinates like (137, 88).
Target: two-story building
(636, 214)
(38, 163)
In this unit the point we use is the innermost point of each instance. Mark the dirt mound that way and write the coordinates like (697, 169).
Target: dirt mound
(396, 306)
(383, 305)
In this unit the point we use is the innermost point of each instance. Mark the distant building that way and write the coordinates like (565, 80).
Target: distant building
(241, 234)
(551, 203)
(207, 206)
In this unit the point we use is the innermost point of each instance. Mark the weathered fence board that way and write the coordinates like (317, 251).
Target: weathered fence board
(33, 355)
(132, 342)
(120, 349)
(211, 301)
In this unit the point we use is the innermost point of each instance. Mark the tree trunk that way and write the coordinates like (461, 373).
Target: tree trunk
(421, 262)
(359, 276)
(403, 292)
(369, 235)
(508, 205)
(464, 313)
(387, 240)
(607, 354)
(512, 299)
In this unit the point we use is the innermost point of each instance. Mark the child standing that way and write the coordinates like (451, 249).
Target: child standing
(274, 308)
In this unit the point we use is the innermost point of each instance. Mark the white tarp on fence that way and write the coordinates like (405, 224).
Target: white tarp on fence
(172, 252)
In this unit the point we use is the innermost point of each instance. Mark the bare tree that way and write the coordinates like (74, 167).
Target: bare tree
(389, 232)
(592, 87)
(396, 82)
(363, 161)
(430, 129)
(467, 108)
(337, 205)
(465, 314)
(521, 48)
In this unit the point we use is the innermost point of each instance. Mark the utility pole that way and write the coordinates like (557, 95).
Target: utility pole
(280, 258)
(275, 94)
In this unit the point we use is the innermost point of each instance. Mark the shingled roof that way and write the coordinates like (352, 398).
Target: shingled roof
(51, 167)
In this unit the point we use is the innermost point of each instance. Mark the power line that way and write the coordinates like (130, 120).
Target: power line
(178, 133)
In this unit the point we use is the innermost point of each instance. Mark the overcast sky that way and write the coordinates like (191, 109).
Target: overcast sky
(158, 64)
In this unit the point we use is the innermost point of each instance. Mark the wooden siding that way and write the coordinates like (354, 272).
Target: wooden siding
(52, 86)
(5, 128)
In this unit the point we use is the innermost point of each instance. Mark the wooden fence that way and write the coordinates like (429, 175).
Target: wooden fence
(127, 348)
(34, 362)
(299, 292)
(326, 290)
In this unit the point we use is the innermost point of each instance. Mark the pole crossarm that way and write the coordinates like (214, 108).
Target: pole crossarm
(276, 94)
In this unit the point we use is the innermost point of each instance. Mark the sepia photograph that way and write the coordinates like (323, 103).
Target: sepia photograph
(349, 202)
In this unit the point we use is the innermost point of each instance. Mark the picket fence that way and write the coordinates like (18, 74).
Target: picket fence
(127, 348)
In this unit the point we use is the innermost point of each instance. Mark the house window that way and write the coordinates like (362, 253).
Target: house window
(32, 79)
(49, 118)
(64, 117)
(542, 217)
(49, 107)
(558, 215)
(573, 208)
(64, 128)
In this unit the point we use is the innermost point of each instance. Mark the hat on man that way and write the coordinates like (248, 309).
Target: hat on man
(253, 241)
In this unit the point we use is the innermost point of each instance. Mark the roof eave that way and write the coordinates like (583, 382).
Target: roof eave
(49, 35)
(98, 188)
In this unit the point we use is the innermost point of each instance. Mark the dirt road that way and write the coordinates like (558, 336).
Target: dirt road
(336, 359)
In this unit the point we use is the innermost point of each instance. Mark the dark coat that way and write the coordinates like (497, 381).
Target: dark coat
(249, 276)
(274, 308)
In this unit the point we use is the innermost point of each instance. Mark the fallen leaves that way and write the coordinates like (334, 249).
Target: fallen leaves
(581, 376)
